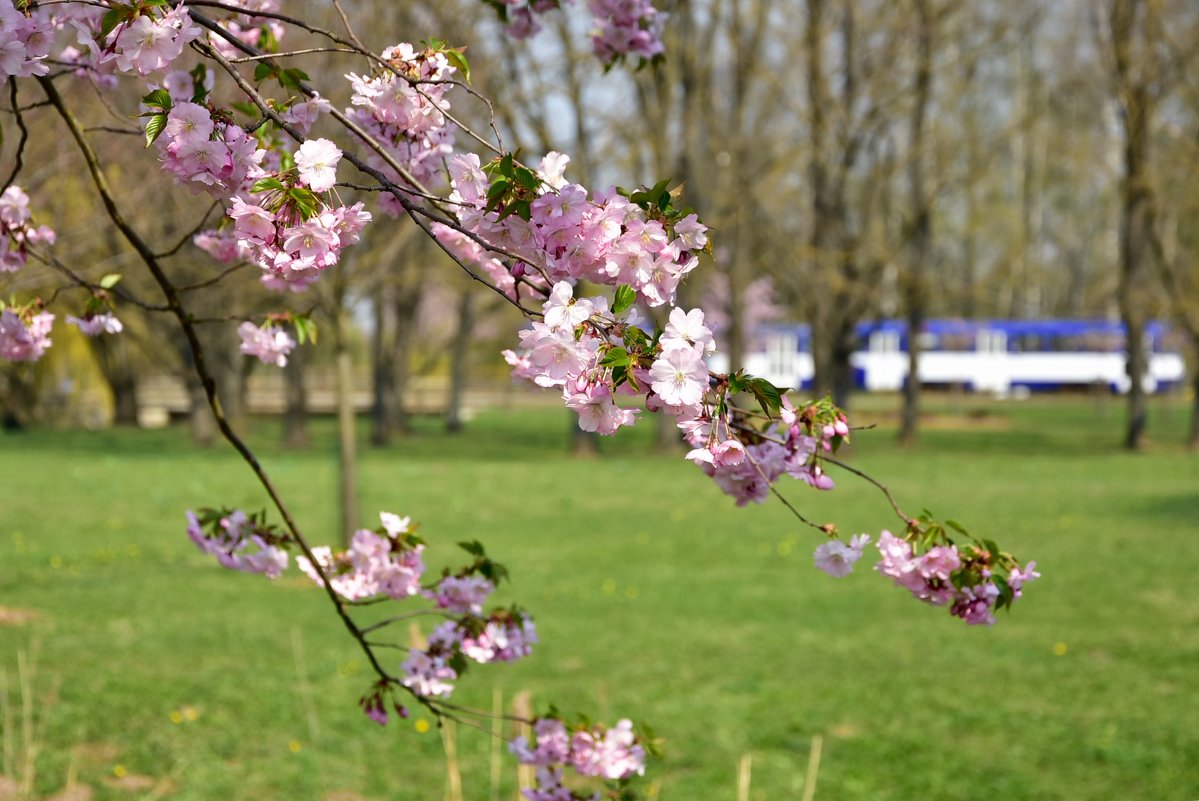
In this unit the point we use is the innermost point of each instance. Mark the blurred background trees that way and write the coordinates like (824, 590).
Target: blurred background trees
(857, 159)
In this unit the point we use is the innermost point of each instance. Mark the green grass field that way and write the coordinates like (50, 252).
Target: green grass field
(133, 665)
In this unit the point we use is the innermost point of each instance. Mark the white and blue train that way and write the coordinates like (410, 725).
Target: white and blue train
(996, 356)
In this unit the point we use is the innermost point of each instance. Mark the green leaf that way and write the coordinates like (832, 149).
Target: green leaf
(268, 184)
(305, 200)
(474, 548)
(616, 357)
(159, 98)
(958, 527)
(993, 547)
(458, 60)
(305, 329)
(768, 395)
(620, 374)
(497, 189)
(625, 297)
(527, 178)
(198, 74)
(110, 280)
(292, 78)
(114, 18)
(154, 127)
(635, 338)
(263, 71)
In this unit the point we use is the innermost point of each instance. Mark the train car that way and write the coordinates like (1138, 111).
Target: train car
(996, 356)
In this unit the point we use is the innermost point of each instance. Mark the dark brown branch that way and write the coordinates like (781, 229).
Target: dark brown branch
(20, 155)
(199, 362)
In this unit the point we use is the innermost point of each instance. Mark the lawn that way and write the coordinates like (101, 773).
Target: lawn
(133, 665)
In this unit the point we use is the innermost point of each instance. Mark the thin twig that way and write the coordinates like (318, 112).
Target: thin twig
(779, 495)
(880, 485)
(268, 56)
(183, 240)
(20, 155)
(214, 280)
(199, 362)
(53, 262)
(414, 211)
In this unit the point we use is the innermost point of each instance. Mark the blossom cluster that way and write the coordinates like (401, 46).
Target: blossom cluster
(970, 580)
(25, 42)
(613, 754)
(387, 562)
(403, 109)
(207, 155)
(566, 234)
(144, 39)
(626, 27)
(620, 27)
(285, 223)
(792, 447)
(238, 541)
(95, 323)
(147, 45)
(376, 563)
(17, 230)
(248, 26)
(24, 333)
(270, 344)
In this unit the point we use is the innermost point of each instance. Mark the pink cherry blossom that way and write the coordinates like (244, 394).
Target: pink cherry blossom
(271, 345)
(316, 161)
(679, 376)
(24, 343)
(837, 558)
(95, 324)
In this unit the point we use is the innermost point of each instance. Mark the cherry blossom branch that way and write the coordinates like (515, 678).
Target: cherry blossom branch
(53, 262)
(827, 528)
(186, 238)
(199, 362)
(867, 477)
(290, 53)
(20, 154)
(415, 212)
(382, 624)
(214, 280)
(345, 20)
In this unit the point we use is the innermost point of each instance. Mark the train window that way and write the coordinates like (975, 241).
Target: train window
(1026, 343)
(958, 342)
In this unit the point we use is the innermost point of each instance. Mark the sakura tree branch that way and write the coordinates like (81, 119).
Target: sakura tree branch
(183, 240)
(415, 212)
(199, 362)
(221, 276)
(290, 53)
(53, 262)
(867, 477)
(825, 529)
(20, 155)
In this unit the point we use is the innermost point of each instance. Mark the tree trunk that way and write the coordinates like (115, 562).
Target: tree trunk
(203, 424)
(383, 374)
(112, 357)
(1136, 210)
(1193, 442)
(346, 435)
(920, 246)
(459, 362)
(295, 413)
